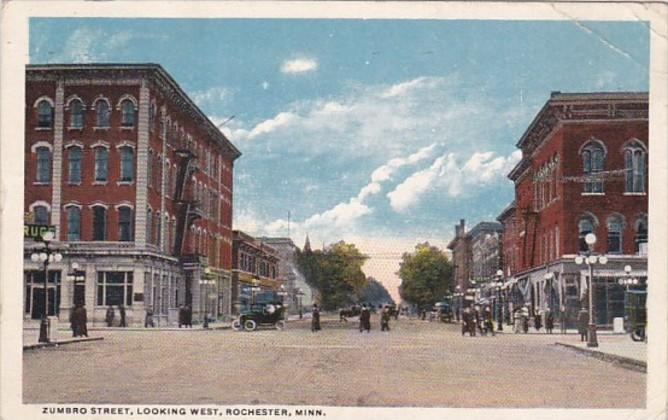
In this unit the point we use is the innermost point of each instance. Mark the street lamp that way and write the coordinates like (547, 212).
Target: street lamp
(628, 281)
(45, 257)
(204, 283)
(300, 294)
(255, 288)
(590, 258)
(499, 283)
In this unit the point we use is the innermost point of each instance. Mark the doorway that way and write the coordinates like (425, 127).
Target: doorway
(38, 302)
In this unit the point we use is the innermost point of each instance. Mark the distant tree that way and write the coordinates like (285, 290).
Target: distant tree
(375, 293)
(336, 273)
(426, 275)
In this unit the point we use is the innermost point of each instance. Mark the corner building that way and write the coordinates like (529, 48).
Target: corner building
(138, 184)
(583, 170)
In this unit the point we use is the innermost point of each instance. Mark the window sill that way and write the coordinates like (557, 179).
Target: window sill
(128, 127)
(99, 183)
(41, 183)
(75, 128)
(74, 184)
(635, 193)
(101, 128)
(592, 194)
(43, 128)
(125, 183)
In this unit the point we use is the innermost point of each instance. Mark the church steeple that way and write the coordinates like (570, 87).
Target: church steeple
(307, 244)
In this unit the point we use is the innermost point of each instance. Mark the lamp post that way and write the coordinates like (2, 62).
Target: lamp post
(282, 293)
(628, 280)
(45, 257)
(499, 283)
(255, 288)
(204, 284)
(590, 258)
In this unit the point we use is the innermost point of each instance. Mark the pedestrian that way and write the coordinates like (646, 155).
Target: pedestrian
(524, 313)
(583, 322)
(466, 321)
(385, 319)
(109, 317)
(82, 318)
(121, 311)
(562, 319)
(489, 324)
(365, 319)
(315, 318)
(149, 319)
(478, 319)
(189, 316)
(301, 313)
(538, 320)
(74, 325)
(549, 321)
(423, 314)
(517, 321)
(182, 315)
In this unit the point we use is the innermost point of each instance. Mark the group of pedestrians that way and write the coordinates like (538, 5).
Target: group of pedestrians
(111, 314)
(474, 319)
(185, 316)
(364, 319)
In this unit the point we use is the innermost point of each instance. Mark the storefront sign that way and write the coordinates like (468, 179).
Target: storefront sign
(36, 232)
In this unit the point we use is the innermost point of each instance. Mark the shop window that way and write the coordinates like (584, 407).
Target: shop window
(114, 288)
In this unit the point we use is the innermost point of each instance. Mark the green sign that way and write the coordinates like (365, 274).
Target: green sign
(36, 231)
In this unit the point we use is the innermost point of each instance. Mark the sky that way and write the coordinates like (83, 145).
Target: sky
(383, 133)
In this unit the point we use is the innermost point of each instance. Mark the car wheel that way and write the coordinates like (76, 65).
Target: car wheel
(236, 325)
(250, 325)
(280, 325)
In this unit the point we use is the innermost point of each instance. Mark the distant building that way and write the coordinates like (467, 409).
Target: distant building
(583, 170)
(460, 246)
(137, 182)
(485, 239)
(299, 292)
(254, 270)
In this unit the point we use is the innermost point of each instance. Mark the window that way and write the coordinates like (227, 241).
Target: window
(43, 164)
(102, 111)
(149, 226)
(44, 114)
(127, 113)
(152, 111)
(74, 165)
(99, 223)
(641, 233)
(158, 230)
(125, 231)
(41, 215)
(127, 164)
(593, 161)
(635, 158)
(585, 226)
(114, 288)
(76, 114)
(615, 227)
(101, 164)
(73, 223)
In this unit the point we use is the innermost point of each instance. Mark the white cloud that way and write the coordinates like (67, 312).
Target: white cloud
(265, 85)
(446, 175)
(299, 65)
(213, 96)
(386, 171)
(267, 126)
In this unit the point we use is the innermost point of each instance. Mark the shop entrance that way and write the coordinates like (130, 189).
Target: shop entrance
(38, 302)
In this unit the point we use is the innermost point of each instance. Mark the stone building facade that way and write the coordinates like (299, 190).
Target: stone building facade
(486, 239)
(583, 170)
(137, 182)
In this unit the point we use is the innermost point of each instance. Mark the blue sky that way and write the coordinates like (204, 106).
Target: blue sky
(380, 132)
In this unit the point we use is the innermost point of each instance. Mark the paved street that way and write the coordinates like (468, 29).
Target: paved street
(416, 364)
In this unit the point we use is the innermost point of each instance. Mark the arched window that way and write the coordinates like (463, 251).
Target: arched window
(635, 159)
(641, 234)
(41, 214)
(127, 163)
(127, 113)
(76, 114)
(43, 164)
(74, 165)
(44, 114)
(585, 225)
(99, 223)
(593, 161)
(101, 164)
(615, 227)
(73, 223)
(125, 230)
(102, 111)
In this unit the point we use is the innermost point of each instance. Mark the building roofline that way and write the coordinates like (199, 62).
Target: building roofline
(484, 226)
(158, 70)
(507, 210)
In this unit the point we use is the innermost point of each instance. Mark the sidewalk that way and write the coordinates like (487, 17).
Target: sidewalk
(31, 337)
(618, 349)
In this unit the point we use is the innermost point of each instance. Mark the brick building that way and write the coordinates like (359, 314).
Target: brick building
(460, 246)
(254, 265)
(584, 169)
(138, 184)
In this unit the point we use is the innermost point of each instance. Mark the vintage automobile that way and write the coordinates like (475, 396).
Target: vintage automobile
(442, 311)
(636, 313)
(265, 314)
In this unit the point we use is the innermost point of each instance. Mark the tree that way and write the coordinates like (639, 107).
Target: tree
(426, 275)
(336, 273)
(375, 293)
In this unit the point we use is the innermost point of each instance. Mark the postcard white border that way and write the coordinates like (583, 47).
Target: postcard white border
(14, 56)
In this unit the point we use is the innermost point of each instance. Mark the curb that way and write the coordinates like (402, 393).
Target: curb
(218, 327)
(621, 361)
(59, 343)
